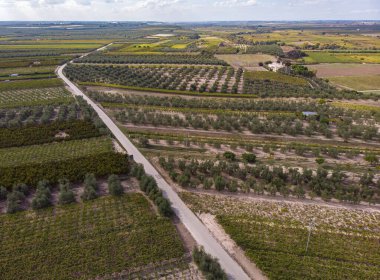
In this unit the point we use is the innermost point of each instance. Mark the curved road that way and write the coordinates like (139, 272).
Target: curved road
(197, 229)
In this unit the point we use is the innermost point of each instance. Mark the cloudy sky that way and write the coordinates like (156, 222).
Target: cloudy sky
(188, 10)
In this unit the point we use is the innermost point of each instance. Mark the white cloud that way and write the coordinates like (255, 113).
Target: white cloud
(187, 10)
(235, 3)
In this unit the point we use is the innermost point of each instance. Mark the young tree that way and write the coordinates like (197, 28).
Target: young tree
(144, 142)
(90, 181)
(66, 195)
(90, 187)
(114, 185)
(229, 155)
(209, 266)
(320, 161)
(42, 196)
(249, 157)
(14, 200)
(3, 193)
(219, 183)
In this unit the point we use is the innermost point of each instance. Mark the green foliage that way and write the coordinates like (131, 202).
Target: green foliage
(34, 97)
(219, 183)
(46, 133)
(149, 185)
(90, 187)
(56, 151)
(152, 59)
(209, 266)
(42, 196)
(274, 77)
(331, 254)
(14, 200)
(28, 84)
(302, 71)
(320, 160)
(66, 195)
(114, 185)
(229, 155)
(249, 157)
(101, 237)
(74, 169)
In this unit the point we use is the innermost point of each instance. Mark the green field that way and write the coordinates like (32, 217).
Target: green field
(27, 70)
(28, 84)
(50, 46)
(358, 82)
(58, 151)
(343, 245)
(34, 97)
(276, 77)
(327, 57)
(82, 241)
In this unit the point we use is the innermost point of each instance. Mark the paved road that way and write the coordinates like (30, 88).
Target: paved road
(199, 232)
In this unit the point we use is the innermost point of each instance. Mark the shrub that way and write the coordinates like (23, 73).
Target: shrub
(14, 201)
(114, 186)
(229, 155)
(90, 187)
(42, 196)
(3, 193)
(219, 183)
(149, 185)
(320, 161)
(66, 195)
(249, 157)
(209, 266)
(22, 188)
(90, 181)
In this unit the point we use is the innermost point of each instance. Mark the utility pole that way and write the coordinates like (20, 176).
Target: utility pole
(310, 228)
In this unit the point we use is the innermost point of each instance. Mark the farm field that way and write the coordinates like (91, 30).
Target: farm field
(26, 70)
(273, 234)
(54, 151)
(343, 69)
(262, 154)
(360, 83)
(37, 96)
(185, 126)
(184, 78)
(29, 84)
(328, 57)
(321, 38)
(100, 237)
(245, 60)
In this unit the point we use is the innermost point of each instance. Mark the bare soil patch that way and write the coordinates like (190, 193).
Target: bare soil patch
(345, 69)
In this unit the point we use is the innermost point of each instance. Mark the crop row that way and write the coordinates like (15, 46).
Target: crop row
(30, 97)
(256, 124)
(152, 59)
(73, 169)
(54, 152)
(282, 87)
(201, 79)
(99, 237)
(45, 133)
(361, 114)
(229, 175)
(343, 242)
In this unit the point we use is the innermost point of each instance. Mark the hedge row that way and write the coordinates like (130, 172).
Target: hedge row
(73, 169)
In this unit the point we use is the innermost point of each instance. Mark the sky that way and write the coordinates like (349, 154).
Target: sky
(188, 10)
